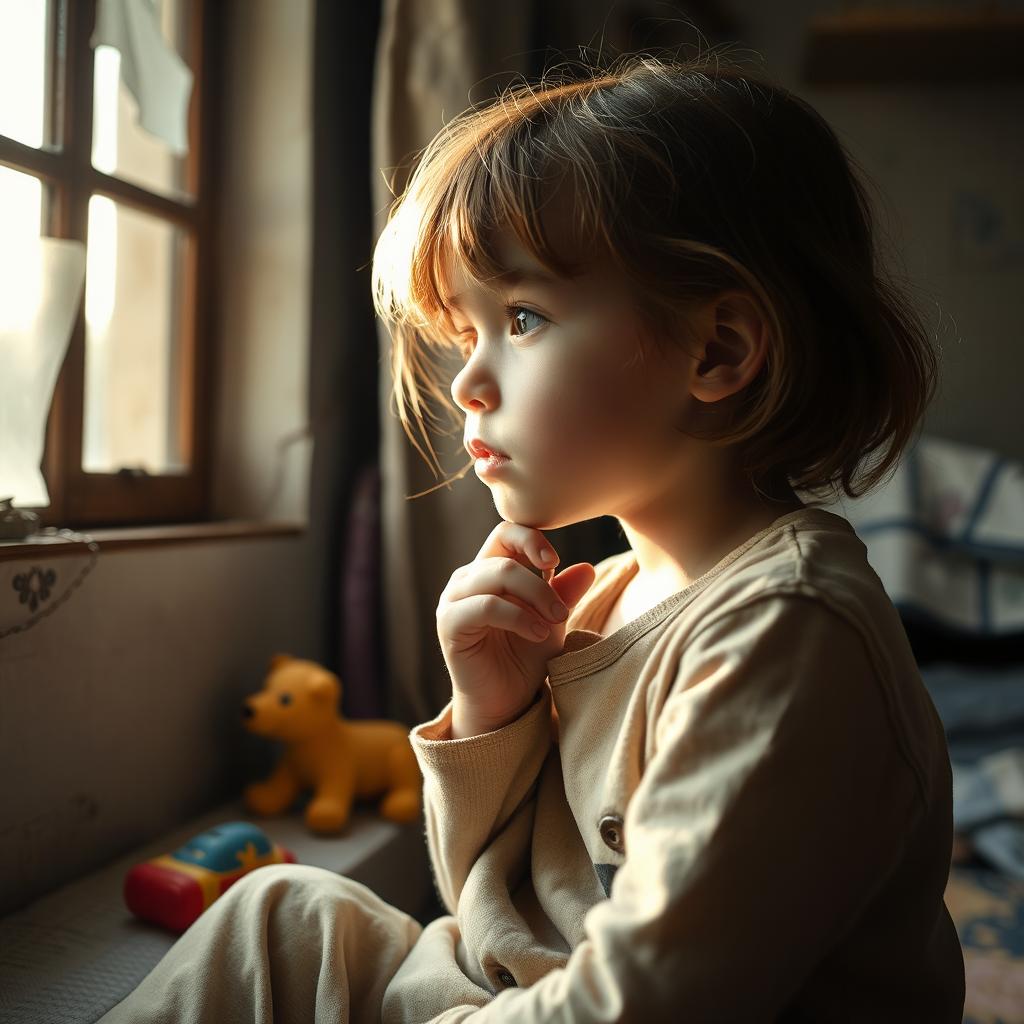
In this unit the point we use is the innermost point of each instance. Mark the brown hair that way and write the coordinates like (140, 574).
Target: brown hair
(692, 177)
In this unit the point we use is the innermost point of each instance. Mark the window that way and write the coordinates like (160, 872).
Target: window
(127, 440)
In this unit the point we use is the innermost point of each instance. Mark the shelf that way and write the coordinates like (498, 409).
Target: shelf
(913, 47)
(119, 538)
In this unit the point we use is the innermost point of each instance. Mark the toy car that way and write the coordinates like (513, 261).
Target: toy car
(174, 889)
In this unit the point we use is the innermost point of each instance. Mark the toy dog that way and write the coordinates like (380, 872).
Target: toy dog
(341, 760)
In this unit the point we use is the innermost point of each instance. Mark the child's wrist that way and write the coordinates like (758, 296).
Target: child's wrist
(467, 722)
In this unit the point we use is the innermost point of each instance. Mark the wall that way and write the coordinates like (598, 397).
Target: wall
(120, 711)
(935, 151)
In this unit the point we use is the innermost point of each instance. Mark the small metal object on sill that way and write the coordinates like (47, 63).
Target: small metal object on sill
(16, 523)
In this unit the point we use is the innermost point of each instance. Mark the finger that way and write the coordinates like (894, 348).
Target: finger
(509, 579)
(572, 583)
(523, 543)
(465, 617)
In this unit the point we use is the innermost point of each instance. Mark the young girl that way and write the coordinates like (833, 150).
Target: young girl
(701, 780)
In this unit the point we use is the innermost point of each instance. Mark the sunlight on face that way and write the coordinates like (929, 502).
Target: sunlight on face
(552, 379)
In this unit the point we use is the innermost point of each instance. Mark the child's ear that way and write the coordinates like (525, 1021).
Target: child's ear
(735, 348)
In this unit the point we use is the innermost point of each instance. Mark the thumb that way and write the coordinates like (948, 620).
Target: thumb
(572, 583)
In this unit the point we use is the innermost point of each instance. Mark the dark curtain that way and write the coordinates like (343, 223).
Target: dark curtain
(343, 357)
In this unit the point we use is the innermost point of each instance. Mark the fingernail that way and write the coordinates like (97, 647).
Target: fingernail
(558, 611)
(547, 555)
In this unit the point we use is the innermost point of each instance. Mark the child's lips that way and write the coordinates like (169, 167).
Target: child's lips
(491, 464)
(479, 450)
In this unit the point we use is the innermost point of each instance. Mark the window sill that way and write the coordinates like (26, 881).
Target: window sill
(119, 538)
(81, 949)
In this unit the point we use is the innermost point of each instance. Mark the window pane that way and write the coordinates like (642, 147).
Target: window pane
(120, 146)
(21, 208)
(40, 296)
(133, 292)
(23, 77)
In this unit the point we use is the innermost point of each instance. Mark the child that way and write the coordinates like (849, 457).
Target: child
(712, 787)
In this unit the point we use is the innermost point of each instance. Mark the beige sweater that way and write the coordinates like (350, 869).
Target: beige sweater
(736, 807)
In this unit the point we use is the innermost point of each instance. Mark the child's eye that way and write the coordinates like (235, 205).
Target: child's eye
(519, 316)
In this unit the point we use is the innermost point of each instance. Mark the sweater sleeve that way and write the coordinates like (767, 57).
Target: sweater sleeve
(774, 806)
(473, 786)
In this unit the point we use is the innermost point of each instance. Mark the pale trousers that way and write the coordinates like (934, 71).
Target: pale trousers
(289, 943)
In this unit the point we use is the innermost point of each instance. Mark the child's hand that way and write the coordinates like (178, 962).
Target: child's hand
(485, 620)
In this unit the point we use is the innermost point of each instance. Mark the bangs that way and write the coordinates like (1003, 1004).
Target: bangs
(506, 168)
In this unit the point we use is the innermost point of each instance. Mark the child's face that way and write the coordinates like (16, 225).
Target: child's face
(587, 434)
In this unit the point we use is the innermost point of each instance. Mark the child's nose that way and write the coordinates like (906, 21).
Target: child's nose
(473, 389)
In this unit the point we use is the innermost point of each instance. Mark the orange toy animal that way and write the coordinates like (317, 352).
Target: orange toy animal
(339, 759)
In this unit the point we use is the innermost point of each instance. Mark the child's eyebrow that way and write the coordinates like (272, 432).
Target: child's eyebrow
(513, 276)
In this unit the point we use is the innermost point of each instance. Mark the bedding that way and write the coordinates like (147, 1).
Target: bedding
(945, 534)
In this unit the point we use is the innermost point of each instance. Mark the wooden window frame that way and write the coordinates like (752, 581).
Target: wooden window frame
(78, 498)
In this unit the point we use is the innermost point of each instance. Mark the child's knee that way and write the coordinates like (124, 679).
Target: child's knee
(270, 884)
(273, 881)
(306, 884)
(301, 874)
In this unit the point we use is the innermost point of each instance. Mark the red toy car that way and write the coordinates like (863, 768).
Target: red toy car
(174, 889)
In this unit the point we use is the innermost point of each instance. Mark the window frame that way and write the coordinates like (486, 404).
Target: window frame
(78, 498)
